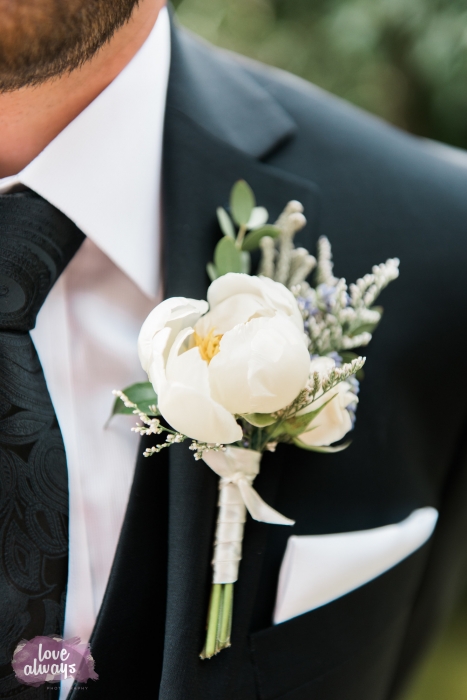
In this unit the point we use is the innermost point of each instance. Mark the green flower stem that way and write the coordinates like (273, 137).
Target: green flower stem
(241, 235)
(226, 615)
(219, 619)
(213, 620)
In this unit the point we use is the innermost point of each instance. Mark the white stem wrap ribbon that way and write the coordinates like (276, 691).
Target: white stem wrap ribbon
(237, 469)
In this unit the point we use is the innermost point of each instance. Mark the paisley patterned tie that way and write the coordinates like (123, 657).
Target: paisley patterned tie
(37, 241)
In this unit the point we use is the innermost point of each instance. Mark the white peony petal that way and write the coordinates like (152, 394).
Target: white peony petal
(273, 295)
(261, 366)
(226, 286)
(230, 312)
(156, 369)
(197, 415)
(185, 400)
(282, 299)
(176, 313)
(188, 368)
(334, 421)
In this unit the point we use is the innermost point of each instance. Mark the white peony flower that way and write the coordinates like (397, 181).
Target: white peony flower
(174, 314)
(334, 421)
(247, 354)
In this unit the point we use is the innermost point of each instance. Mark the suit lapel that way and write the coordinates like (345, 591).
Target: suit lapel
(130, 624)
(217, 125)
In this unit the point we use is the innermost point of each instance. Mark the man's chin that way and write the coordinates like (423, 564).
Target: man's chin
(44, 39)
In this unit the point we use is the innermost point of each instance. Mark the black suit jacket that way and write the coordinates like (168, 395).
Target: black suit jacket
(376, 193)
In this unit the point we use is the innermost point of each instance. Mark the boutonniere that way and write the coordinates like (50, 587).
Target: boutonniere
(268, 358)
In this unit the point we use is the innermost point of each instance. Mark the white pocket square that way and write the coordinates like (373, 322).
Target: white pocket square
(317, 569)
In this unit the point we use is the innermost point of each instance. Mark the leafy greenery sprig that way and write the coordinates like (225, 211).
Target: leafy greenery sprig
(243, 230)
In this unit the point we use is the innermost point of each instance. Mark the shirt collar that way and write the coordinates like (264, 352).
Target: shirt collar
(103, 170)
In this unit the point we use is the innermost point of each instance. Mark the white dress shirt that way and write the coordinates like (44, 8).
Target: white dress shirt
(103, 171)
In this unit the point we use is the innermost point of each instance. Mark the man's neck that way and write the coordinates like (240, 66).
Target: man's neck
(30, 118)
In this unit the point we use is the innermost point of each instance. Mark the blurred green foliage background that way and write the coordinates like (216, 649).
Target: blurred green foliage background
(404, 60)
(444, 674)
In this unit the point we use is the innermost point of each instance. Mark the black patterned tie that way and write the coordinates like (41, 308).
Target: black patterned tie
(37, 242)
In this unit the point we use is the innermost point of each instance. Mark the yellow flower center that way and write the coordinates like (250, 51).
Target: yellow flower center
(208, 346)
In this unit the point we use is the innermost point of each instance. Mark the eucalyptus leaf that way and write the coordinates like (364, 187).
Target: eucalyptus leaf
(252, 239)
(298, 424)
(242, 202)
(259, 217)
(212, 272)
(225, 222)
(364, 328)
(259, 420)
(324, 449)
(142, 394)
(227, 257)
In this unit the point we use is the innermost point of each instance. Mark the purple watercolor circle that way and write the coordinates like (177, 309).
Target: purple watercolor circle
(51, 659)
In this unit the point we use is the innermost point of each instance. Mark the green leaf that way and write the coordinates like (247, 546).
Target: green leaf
(298, 424)
(259, 420)
(225, 222)
(242, 202)
(324, 449)
(364, 328)
(246, 263)
(142, 394)
(347, 356)
(368, 327)
(259, 217)
(212, 272)
(252, 239)
(227, 257)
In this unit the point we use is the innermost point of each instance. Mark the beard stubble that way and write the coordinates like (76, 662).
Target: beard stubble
(44, 39)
